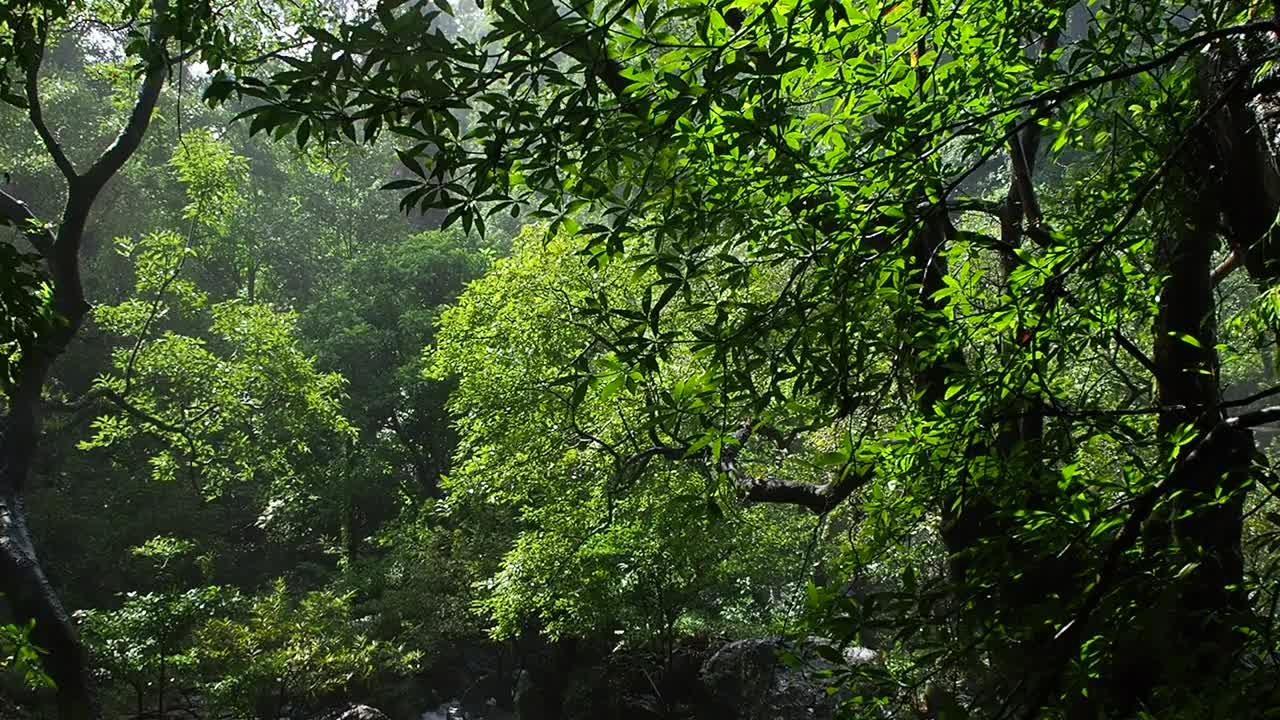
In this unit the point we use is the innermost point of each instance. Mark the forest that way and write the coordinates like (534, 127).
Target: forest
(639, 359)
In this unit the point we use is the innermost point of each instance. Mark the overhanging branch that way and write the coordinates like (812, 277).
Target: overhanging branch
(994, 208)
(1224, 268)
(88, 401)
(1254, 418)
(818, 498)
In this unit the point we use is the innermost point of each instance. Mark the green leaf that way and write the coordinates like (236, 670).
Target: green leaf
(828, 459)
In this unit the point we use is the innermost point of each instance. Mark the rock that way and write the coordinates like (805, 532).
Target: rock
(589, 694)
(355, 712)
(640, 707)
(542, 682)
(748, 680)
(855, 655)
(12, 711)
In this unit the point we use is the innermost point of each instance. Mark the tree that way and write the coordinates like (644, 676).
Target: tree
(801, 180)
(370, 325)
(155, 37)
(26, 588)
(282, 651)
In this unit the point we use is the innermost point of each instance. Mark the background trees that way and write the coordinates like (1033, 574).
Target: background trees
(244, 434)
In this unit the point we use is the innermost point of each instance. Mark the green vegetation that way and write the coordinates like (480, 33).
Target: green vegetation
(341, 340)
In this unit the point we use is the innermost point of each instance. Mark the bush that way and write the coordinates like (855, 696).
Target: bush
(282, 653)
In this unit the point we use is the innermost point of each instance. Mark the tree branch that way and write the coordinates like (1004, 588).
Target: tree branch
(130, 137)
(64, 259)
(36, 114)
(1251, 399)
(1224, 268)
(102, 392)
(1135, 352)
(1254, 418)
(819, 499)
(18, 214)
(1055, 95)
(1072, 634)
(994, 208)
(1022, 171)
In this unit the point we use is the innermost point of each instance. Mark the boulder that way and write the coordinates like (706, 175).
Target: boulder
(355, 712)
(748, 679)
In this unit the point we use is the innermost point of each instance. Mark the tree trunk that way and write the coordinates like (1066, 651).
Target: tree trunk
(28, 591)
(1200, 528)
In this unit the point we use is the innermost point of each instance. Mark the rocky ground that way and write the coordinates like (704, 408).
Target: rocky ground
(759, 679)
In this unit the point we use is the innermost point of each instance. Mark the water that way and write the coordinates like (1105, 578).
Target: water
(448, 711)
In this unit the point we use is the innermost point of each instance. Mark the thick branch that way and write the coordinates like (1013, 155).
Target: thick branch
(1254, 418)
(598, 63)
(817, 498)
(1032, 134)
(1135, 352)
(995, 208)
(1253, 398)
(820, 499)
(130, 137)
(36, 114)
(101, 392)
(1021, 214)
(1022, 182)
(64, 260)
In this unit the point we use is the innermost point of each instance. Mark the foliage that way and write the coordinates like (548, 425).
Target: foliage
(146, 643)
(18, 655)
(790, 188)
(238, 652)
(956, 319)
(241, 403)
(584, 553)
(370, 326)
(291, 650)
(417, 590)
(24, 310)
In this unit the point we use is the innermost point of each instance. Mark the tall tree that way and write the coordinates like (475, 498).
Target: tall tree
(59, 243)
(155, 37)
